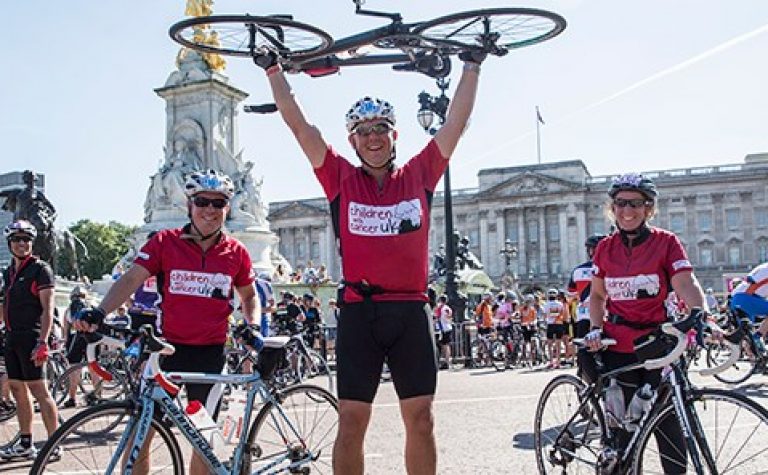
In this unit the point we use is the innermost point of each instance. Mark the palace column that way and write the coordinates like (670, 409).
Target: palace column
(543, 241)
(484, 242)
(501, 236)
(565, 257)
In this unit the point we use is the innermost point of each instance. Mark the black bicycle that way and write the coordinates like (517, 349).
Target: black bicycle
(753, 354)
(423, 46)
(720, 431)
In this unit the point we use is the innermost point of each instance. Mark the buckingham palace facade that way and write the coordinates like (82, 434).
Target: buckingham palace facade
(547, 211)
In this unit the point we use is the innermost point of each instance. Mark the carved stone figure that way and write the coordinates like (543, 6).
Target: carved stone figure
(32, 205)
(67, 245)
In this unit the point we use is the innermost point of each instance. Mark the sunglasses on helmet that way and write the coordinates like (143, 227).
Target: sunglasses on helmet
(635, 203)
(20, 238)
(379, 128)
(202, 202)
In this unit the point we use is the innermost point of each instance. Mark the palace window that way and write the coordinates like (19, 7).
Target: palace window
(733, 219)
(761, 217)
(734, 253)
(677, 223)
(704, 219)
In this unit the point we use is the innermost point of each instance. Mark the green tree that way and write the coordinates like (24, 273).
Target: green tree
(106, 244)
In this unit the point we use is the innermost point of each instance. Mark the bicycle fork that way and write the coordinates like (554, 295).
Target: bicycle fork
(691, 429)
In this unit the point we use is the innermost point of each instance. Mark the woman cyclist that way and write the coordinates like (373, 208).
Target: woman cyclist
(634, 269)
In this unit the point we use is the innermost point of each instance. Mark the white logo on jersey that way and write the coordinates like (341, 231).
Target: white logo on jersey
(632, 287)
(368, 220)
(200, 284)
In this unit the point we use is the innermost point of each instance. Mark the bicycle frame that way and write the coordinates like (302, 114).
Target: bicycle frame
(158, 389)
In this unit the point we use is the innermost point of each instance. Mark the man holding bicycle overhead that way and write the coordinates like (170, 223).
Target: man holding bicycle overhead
(634, 269)
(199, 269)
(381, 215)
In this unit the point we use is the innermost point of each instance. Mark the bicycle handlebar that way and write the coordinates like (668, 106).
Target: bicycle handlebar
(604, 342)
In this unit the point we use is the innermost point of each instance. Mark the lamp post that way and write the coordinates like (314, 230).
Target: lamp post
(430, 107)
(510, 252)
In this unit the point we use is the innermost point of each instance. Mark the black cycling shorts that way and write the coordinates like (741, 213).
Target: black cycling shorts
(528, 333)
(76, 346)
(139, 319)
(18, 351)
(399, 333)
(198, 359)
(446, 338)
(582, 328)
(555, 331)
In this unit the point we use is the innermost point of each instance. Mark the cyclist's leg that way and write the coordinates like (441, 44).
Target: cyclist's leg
(407, 332)
(359, 361)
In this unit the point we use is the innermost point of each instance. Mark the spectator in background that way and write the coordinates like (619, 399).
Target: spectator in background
(267, 299)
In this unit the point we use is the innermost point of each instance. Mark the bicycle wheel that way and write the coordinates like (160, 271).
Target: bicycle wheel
(315, 370)
(86, 447)
(743, 368)
(567, 437)
(477, 354)
(245, 35)
(733, 432)
(505, 28)
(94, 391)
(499, 355)
(298, 433)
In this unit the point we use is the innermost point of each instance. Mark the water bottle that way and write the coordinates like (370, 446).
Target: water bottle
(614, 404)
(639, 406)
(203, 421)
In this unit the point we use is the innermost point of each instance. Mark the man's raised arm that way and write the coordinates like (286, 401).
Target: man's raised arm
(461, 108)
(308, 136)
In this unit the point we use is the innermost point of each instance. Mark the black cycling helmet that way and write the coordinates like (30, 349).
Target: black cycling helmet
(633, 182)
(594, 239)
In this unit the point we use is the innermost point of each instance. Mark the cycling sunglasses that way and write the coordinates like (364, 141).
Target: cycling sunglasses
(202, 202)
(636, 203)
(380, 128)
(20, 239)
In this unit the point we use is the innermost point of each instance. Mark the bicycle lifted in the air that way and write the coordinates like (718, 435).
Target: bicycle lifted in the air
(424, 46)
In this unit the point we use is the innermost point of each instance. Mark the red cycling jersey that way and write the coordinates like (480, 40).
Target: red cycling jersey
(196, 287)
(383, 233)
(637, 281)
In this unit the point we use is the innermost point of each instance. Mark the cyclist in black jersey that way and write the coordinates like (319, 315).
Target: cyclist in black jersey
(27, 310)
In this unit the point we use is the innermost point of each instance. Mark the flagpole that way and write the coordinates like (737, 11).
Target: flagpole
(538, 135)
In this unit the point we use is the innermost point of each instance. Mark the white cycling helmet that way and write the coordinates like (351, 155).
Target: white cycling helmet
(209, 180)
(21, 226)
(369, 108)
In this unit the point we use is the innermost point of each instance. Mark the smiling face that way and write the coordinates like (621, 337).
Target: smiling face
(20, 245)
(628, 217)
(373, 141)
(208, 219)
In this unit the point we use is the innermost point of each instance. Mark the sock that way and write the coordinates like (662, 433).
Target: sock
(25, 440)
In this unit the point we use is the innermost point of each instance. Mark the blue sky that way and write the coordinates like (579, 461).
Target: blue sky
(646, 85)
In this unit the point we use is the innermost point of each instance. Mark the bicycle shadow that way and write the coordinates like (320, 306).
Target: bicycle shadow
(523, 440)
(483, 371)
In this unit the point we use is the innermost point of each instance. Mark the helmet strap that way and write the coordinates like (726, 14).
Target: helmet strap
(200, 236)
(389, 164)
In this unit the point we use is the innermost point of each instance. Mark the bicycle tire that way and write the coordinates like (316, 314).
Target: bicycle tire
(499, 356)
(581, 441)
(270, 440)
(237, 38)
(319, 372)
(116, 389)
(748, 422)
(82, 451)
(476, 354)
(516, 27)
(742, 370)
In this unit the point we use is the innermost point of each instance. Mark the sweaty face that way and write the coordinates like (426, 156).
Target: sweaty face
(373, 140)
(208, 219)
(629, 216)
